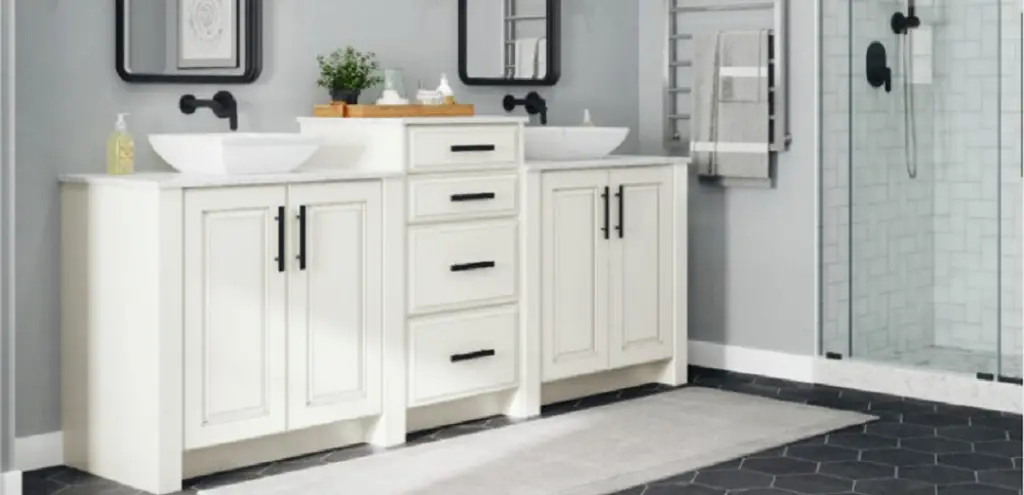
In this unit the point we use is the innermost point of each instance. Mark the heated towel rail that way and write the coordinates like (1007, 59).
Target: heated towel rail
(687, 17)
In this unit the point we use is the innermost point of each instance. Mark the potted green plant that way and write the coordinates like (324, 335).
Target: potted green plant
(346, 73)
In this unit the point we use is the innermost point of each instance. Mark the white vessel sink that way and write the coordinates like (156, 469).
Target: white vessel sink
(573, 143)
(235, 153)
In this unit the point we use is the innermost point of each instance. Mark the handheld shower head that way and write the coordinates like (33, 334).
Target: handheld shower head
(902, 23)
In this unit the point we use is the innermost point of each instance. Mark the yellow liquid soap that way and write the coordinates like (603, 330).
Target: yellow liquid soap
(120, 149)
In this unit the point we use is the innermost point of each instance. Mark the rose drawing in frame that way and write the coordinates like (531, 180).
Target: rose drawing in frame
(208, 34)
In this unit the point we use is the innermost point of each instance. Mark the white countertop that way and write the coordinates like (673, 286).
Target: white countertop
(473, 119)
(609, 162)
(174, 180)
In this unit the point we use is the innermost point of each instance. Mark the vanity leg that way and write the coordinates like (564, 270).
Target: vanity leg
(527, 400)
(390, 429)
(675, 372)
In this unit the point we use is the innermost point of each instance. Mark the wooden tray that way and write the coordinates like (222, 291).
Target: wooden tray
(340, 109)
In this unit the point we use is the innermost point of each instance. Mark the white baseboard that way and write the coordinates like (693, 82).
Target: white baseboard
(938, 386)
(753, 361)
(39, 451)
(10, 483)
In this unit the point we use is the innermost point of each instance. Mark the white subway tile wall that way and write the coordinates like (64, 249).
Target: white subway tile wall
(926, 250)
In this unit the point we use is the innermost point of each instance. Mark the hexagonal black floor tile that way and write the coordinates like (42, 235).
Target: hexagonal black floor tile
(776, 452)
(898, 457)
(892, 486)
(763, 491)
(858, 470)
(937, 474)
(975, 462)
(682, 490)
(935, 419)
(860, 441)
(1018, 462)
(821, 453)
(679, 479)
(813, 484)
(733, 464)
(900, 430)
(936, 445)
(779, 465)
(1006, 478)
(998, 423)
(733, 479)
(974, 489)
(971, 433)
(1004, 448)
(907, 406)
(32, 485)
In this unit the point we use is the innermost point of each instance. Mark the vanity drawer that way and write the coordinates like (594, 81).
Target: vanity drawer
(459, 355)
(461, 197)
(434, 147)
(455, 266)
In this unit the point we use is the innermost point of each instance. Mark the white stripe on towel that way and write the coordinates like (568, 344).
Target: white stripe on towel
(707, 147)
(755, 71)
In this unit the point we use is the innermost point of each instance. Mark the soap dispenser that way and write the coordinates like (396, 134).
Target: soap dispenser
(120, 148)
(445, 91)
(586, 119)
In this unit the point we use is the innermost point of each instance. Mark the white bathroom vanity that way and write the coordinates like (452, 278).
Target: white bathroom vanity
(414, 273)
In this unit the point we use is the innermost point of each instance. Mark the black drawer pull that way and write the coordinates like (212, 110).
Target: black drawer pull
(302, 238)
(280, 238)
(472, 355)
(472, 197)
(465, 267)
(469, 148)
(604, 198)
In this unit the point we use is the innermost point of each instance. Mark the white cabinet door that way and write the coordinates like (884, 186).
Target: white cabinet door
(574, 259)
(335, 303)
(234, 295)
(640, 281)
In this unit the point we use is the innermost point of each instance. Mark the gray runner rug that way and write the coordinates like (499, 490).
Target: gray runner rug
(589, 452)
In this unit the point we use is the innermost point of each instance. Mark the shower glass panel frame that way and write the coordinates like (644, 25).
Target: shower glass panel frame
(921, 185)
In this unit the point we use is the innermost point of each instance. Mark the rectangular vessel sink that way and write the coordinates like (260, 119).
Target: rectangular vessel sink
(235, 153)
(572, 143)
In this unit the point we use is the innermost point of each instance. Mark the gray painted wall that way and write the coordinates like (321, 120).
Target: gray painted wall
(68, 95)
(753, 253)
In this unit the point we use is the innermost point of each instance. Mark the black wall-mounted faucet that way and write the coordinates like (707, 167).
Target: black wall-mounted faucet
(533, 104)
(223, 105)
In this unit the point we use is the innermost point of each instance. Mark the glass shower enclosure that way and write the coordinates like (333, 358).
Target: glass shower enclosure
(921, 184)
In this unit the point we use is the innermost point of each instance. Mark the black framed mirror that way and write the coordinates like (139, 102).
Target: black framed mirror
(509, 42)
(189, 41)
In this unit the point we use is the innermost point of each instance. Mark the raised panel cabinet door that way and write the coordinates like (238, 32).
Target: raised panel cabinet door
(574, 278)
(235, 316)
(640, 328)
(335, 327)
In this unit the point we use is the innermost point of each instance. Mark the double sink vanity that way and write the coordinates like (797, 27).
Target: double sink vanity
(375, 277)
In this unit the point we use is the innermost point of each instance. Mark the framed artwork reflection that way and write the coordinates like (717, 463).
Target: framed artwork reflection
(208, 34)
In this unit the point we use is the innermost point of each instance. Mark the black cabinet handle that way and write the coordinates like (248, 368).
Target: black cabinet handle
(469, 148)
(604, 197)
(302, 238)
(472, 197)
(621, 196)
(472, 355)
(465, 267)
(280, 238)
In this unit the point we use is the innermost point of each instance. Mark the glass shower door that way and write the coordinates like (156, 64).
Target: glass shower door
(924, 184)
